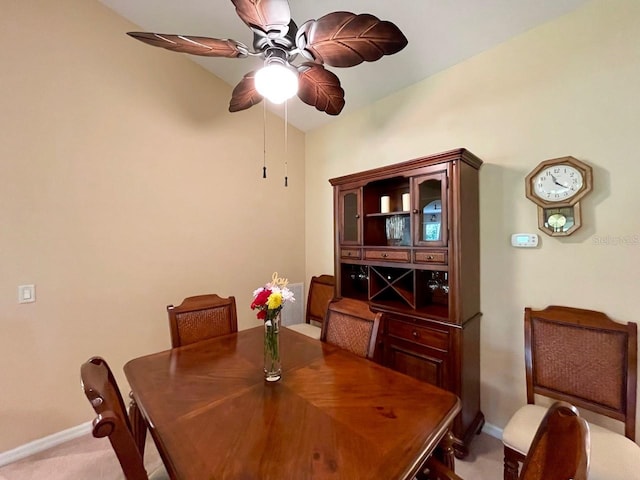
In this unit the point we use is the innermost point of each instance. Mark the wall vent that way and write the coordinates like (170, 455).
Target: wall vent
(293, 313)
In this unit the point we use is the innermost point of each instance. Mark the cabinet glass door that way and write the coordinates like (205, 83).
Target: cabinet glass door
(430, 209)
(350, 206)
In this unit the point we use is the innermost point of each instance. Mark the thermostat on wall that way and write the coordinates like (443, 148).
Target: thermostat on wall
(529, 240)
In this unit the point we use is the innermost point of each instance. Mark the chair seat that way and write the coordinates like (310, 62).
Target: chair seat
(159, 474)
(306, 329)
(613, 456)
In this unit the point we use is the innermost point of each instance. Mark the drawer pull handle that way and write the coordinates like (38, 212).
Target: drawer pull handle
(384, 255)
(430, 257)
(415, 334)
(348, 254)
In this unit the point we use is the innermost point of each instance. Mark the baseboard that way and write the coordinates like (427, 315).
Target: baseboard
(492, 430)
(44, 443)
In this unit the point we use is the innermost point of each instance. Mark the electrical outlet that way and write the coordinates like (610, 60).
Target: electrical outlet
(26, 293)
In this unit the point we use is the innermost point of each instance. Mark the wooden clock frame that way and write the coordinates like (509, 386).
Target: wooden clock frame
(570, 208)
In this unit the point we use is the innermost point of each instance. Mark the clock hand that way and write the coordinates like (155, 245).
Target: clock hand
(555, 180)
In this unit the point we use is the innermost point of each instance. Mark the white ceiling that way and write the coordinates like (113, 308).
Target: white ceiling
(441, 33)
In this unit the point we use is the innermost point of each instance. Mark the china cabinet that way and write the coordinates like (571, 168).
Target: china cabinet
(407, 242)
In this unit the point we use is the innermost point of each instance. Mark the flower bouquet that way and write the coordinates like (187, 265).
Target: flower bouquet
(268, 301)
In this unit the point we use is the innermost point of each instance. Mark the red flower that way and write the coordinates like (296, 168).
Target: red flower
(261, 298)
(262, 314)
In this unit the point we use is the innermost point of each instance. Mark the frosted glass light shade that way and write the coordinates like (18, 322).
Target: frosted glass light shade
(276, 82)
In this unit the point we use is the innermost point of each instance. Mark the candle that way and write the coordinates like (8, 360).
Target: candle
(385, 204)
(406, 204)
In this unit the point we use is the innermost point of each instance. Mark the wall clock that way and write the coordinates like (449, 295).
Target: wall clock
(556, 186)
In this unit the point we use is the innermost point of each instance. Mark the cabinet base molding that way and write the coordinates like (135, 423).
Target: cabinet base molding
(461, 446)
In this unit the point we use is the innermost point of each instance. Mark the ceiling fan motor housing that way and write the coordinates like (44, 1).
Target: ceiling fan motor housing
(286, 40)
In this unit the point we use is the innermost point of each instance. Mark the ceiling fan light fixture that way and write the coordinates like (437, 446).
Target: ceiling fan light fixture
(337, 39)
(277, 81)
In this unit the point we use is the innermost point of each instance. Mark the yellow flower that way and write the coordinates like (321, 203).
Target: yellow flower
(275, 300)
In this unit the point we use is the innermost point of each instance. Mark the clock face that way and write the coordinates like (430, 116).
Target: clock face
(557, 183)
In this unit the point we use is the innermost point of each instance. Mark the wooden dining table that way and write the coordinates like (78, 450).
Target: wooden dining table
(332, 415)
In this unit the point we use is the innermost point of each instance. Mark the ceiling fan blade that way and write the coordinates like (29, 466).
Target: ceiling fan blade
(344, 39)
(244, 94)
(269, 18)
(320, 88)
(207, 47)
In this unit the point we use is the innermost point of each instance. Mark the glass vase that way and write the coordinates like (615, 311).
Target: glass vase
(272, 366)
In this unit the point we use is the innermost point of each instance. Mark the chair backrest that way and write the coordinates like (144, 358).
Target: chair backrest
(112, 421)
(201, 317)
(584, 358)
(321, 291)
(561, 447)
(349, 324)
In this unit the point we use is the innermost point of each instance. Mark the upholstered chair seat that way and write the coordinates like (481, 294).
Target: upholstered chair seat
(307, 329)
(159, 474)
(608, 448)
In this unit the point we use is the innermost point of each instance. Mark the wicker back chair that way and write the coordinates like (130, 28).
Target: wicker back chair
(200, 318)
(349, 324)
(321, 291)
(584, 358)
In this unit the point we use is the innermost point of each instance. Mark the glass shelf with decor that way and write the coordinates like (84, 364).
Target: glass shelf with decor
(386, 205)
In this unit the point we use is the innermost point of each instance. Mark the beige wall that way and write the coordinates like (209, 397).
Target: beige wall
(125, 185)
(120, 191)
(570, 87)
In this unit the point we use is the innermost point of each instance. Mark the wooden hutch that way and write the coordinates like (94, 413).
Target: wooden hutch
(407, 242)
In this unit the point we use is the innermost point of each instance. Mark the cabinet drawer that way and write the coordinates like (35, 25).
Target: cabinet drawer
(422, 335)
(388, 255)
(423, 367)
(350, 253)
(431, 256)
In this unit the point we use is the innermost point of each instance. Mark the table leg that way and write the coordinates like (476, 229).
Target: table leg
(447, 452)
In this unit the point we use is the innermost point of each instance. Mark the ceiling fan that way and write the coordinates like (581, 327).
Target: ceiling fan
(339, 39)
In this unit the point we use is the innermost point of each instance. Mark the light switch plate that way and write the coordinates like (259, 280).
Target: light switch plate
(26, 293)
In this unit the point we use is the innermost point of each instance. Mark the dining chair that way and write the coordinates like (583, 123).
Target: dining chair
(584, 358)
(560, 448)
(201, 317)
(322, 289)
(349, 324)
(112, 419)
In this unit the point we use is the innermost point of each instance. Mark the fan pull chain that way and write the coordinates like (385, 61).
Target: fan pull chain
(286, 127)
(264, 139)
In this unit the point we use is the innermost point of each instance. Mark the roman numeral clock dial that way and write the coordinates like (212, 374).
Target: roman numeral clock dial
(556, 187)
